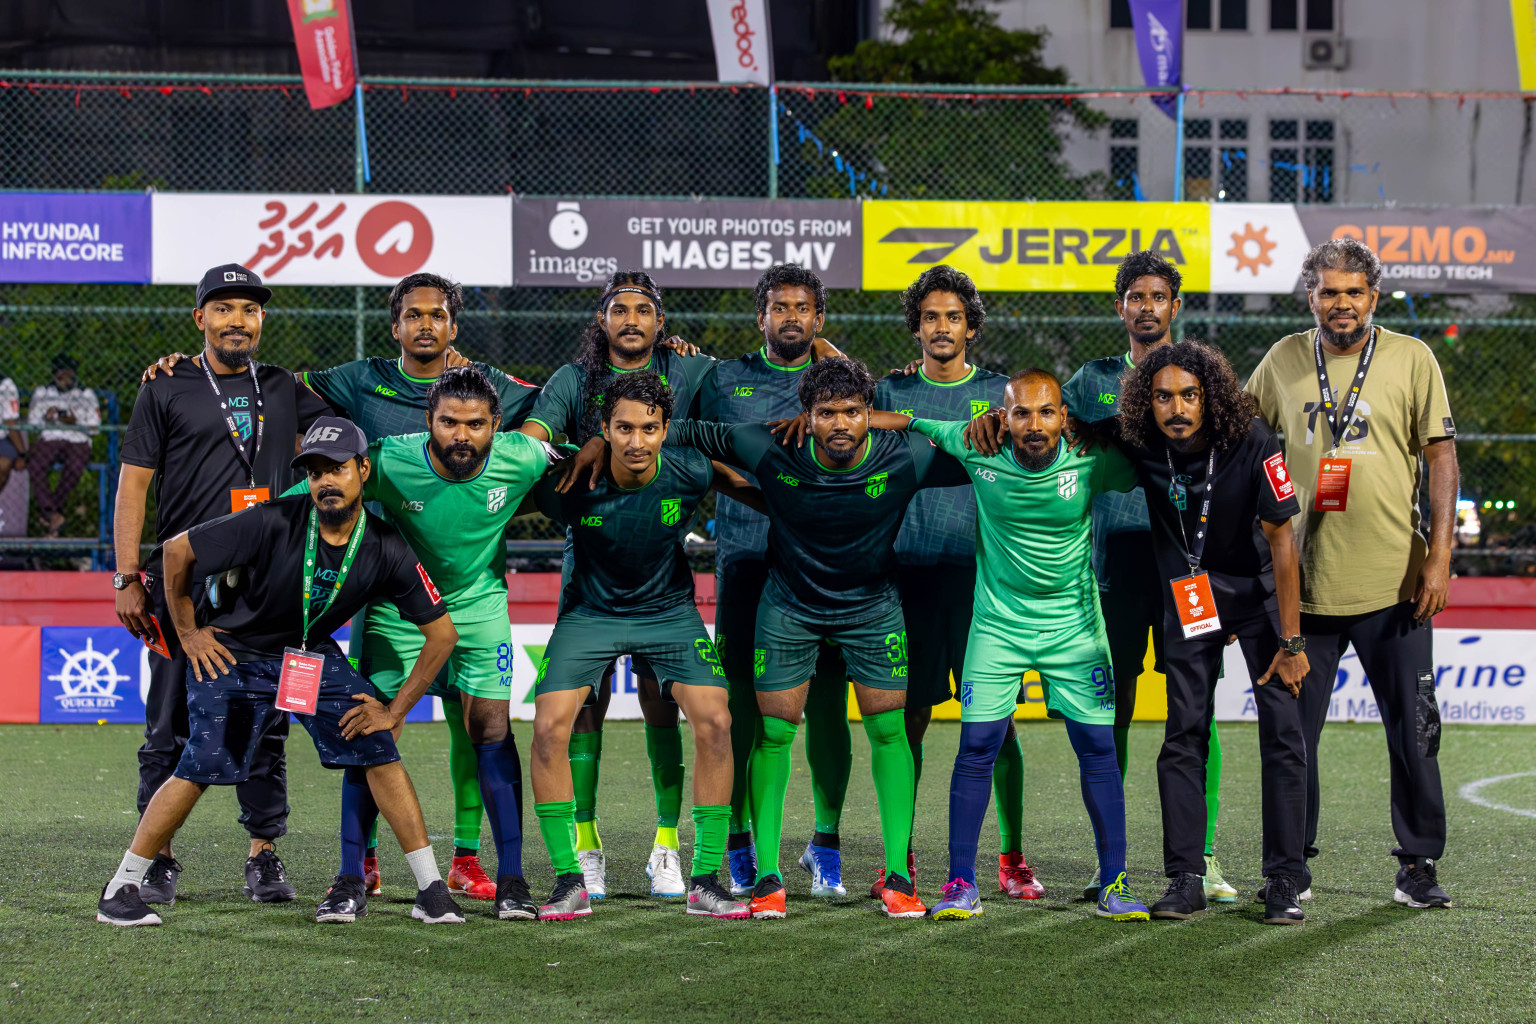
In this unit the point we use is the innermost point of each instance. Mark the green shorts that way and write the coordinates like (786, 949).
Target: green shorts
(787, 647)
(480, 665)
(675, 645)
(1073, 663)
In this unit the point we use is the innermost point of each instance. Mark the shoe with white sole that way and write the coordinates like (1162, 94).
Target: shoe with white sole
(594, 872)
(665, 870)
(825, 865)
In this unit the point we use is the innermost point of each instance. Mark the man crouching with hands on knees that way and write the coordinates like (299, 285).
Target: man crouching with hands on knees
(312, 562)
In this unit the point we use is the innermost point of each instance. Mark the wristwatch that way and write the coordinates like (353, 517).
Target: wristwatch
(1293, 644)
(120, 580)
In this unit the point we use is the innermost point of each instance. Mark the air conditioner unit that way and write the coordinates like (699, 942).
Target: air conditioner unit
(1322, 51)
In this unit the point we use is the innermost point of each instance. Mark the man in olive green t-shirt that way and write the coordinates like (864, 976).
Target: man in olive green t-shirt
(1359, 405)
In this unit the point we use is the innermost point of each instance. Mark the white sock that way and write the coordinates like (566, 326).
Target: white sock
(129, 872)
(423, 866)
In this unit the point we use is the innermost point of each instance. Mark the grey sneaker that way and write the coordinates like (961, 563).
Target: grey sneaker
(265, 881)
(707, 898)
(568, 902)
(435, 906)
(159, 885)
(346, 902)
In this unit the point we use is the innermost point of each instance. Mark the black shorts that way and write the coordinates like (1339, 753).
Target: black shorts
(229, 715)
(936, 601)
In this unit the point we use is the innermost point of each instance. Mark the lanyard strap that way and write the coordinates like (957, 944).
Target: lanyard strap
(311, 549)
(248, 461)
(1193, 552)
(1338, 425)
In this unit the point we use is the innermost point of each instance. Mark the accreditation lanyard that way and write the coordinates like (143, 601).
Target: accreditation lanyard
(248, 461)
(311, 549)
(1338, 425)
(1193, 598)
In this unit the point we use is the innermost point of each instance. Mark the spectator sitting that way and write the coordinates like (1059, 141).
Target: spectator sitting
(65, 405)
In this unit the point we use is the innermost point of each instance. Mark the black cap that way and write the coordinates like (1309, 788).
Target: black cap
(232, 279)
(333, 438)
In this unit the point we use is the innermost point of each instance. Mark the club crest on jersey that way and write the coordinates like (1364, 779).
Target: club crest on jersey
(1066, 483)
(876, 485)
(495, 498)
(671, 511)
(978, 407)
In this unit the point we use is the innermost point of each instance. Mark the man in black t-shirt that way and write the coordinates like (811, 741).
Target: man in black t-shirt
(1220, 501)
(314, 561)
(211, 442)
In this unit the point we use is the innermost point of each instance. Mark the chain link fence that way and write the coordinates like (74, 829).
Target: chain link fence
(82, 132)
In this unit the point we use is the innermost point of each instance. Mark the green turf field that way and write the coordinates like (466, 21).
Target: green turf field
(68, 796)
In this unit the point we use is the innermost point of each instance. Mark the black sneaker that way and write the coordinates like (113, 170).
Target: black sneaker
(159, 885)
(125, 908)
(435, 906)
(264, 879)
(513, 900)
(1418, 887)
(1183, 899)
(346, 902)
(1262, 895)
(1282, 904)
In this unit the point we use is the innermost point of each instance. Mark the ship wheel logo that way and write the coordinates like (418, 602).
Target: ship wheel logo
(88, 679)
(1251, 248)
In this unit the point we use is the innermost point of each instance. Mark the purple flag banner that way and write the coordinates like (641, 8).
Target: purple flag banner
(67, 238)
(1159, 28)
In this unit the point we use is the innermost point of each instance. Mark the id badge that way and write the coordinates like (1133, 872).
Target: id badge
(242, 498)
(157, 643)
(1196, 603)
(1332, 486)
(298, 688)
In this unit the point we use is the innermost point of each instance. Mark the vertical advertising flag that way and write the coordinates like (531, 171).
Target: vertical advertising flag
(322, 31)
(1524, 14)
(1159, 28)
(743, 43)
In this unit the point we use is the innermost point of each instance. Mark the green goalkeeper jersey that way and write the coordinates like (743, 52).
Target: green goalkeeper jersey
(1033, 535)
(458, 527)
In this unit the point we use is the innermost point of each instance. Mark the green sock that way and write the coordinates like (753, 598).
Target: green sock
(586, 752)
(828, 749)
(1008, 785)
(1212, 790)
(1123, 748)
(890, 761)
(464, 771)
(664, 746)
(768, 780)
(709, 821)
(555, 817)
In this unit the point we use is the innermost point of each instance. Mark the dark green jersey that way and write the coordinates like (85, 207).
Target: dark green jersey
(628, 545)
(379, 396)
(940, 528)
(748, 389)
(562, 406)
(1092, 395)
(831, 533)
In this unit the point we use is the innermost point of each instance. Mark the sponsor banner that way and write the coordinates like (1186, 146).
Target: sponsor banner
(1159, 27)
(1056, 247)
(743, 42)
(67, 238)
(1486, 677)
(322, 32)
(333, 239)
(720, 244)
(1257, 248)
(1523, 15)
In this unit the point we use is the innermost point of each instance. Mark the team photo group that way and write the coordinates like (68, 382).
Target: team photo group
(936, 533)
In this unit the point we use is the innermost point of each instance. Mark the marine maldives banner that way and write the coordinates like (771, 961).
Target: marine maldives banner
(333, 238)
(68, 238)
(322, 32)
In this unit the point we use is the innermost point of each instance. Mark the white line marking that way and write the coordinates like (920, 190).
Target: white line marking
(1470, 791)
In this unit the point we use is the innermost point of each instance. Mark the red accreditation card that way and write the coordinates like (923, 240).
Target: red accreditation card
(1196, 604)
(298, 688)
(1332, 486)
(157, 642)
(242, 498)
(1279, 479)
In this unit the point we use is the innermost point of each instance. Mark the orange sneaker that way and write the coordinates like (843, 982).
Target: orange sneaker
(371, 876)
(878, 885)
(468, 878)
(1016, 878)
(900, 899)
(768, 899)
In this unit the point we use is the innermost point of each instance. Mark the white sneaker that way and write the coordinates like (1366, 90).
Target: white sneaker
(594, 872)
(665, 870)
